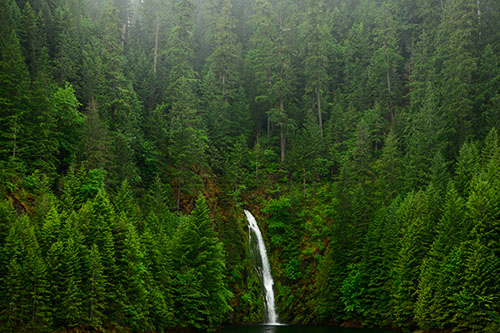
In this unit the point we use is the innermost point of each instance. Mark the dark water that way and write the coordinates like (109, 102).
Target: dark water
(298, 329)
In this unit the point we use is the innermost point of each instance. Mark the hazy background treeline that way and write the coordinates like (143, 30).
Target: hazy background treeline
(361, 133)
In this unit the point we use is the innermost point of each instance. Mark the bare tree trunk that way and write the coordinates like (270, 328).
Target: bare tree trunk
(318, 98)
(156, 44)
(442, 6)
(124, 30)
(270, 108)
(33, 318)
(268, 126)
(282, 130)
(91, 315)
(223, 80)
(15, 137)
(479, 15)
(388, 78)
(282, 108)
(179, 197)
(304, 181)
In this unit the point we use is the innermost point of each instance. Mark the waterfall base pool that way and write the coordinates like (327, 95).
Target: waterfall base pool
(297, 329)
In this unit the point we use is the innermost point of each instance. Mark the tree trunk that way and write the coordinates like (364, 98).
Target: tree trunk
(156, 44)
(304, 181)
(15, 137)
(124, 30)
(320, 120)
(282, 108)
(479, 15)
(282, 130)
(179, 197)
(91, 315)
(388, 78)
(268, 126)
(33, 317)
(223, 80)
(270, 108)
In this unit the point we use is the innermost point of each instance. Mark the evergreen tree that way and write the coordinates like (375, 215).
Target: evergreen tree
(317, 41)
(95, 145)
(187, 139)
(457, 38)
(201, 296)
(433, 307)
(73, 297)
(14, 99)
(414, 245)
(355, 125)
(477, 300)
(31, 36)
(133, 280)
(259, 56)
(26, 284)
(385, 63)
(96, 289)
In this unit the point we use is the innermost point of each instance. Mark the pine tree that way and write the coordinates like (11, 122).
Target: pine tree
(51, 229)
(486, 92)
(457, 38)
(55, 262)
(31, 36)
(389, 168)
(95, 145)
(356, 55)
(467, 167)
(317, 41)
(385, 63)
(73, 297)
(28, 287)
(68, 122)
(187, 139)
(12, 288)
(414, 245)
(14, 99)
(377, 265)
(426, 138)
(133, 280)
(97, 224)
(224, 61)
(158, 279)
(281, 88)
(10, 17)
(223, 104)
(96, 289)
(201, 292)
(260, 54)
(478, 297)
(272, 63)
(433, 308)
(125, 204)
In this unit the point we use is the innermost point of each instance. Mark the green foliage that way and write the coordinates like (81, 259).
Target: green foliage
(201, 294)
(364, 132)
(351, 289)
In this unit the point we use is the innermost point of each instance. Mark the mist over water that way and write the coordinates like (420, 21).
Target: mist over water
(297, 329)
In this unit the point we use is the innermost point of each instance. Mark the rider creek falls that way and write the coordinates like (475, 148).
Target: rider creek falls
(250, 166)
(271, 324)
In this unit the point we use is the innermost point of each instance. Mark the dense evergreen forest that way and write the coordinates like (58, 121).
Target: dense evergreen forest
(362, 134)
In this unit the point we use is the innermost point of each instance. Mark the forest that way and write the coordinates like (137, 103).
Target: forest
(362, 134)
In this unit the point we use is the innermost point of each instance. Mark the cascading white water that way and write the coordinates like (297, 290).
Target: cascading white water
(267, 278)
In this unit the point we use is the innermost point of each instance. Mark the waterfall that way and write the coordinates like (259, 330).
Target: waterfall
(264, 271)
